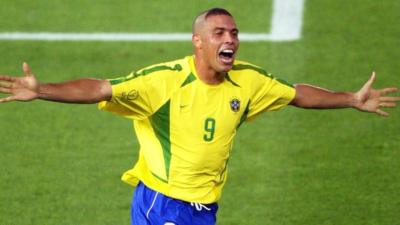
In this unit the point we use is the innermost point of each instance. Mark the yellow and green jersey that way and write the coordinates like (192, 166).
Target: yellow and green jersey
(186, 127)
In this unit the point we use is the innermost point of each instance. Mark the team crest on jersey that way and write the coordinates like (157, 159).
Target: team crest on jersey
(235, 105)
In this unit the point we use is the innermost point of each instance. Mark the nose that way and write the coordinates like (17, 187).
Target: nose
(229, 38)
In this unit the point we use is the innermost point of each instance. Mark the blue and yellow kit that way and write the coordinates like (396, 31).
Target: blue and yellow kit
(186, 127)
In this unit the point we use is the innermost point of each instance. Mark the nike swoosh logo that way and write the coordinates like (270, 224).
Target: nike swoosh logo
(183, 106)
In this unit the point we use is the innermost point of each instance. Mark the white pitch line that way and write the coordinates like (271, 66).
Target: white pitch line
(285, 26)
(287, 20)
(110, 37)
(47, 36)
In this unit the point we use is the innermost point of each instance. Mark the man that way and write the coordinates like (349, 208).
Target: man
(186, 113)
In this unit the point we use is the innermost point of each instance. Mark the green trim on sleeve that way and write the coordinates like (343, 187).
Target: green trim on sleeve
(160, 122)
(285, 82)
(144, 72)
(122, 79)
(153, 69)
(261, 71)
(251, 67)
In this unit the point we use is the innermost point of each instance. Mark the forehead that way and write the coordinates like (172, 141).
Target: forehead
(220, 21)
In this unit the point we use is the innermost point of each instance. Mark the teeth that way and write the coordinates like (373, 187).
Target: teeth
(227, 51)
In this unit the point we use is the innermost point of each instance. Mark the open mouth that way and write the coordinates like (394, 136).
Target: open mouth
(226, 56)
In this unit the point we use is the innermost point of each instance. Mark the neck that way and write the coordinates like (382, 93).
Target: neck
(206, 73)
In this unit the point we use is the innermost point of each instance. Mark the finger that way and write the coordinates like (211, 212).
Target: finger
(7, 78)
(26, 69)
(389, 90)
(5, 90)
(371, 80)
(5, 84)
(7, 99)
(367, 86)
(382, 113)
(389, 99)
(387, 104)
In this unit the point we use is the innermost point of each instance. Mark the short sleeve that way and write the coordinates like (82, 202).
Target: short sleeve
(129, 98)
(270, 94)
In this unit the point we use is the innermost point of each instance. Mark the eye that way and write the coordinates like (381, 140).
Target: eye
(218, 32)
(235, 33)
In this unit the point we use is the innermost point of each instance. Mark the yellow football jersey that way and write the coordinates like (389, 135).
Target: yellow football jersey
(186, 127)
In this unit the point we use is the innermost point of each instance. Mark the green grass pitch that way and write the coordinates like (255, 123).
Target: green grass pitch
(61, 164)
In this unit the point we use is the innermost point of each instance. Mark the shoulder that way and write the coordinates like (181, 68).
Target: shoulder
(242, 67)
(169, 71)
(170, 67)
(247, 73)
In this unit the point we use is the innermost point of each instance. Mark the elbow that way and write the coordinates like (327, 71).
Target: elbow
(300, 103)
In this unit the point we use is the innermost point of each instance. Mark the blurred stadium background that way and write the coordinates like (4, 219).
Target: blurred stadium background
(61, 164)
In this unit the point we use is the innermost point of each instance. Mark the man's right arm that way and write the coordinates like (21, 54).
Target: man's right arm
(27, 88)
(85, 91)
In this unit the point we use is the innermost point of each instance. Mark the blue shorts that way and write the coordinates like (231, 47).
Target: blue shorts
(153, 208)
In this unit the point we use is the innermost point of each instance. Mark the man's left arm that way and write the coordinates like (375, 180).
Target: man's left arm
(366, 99)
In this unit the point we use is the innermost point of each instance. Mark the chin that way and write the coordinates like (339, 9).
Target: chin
(226, 68)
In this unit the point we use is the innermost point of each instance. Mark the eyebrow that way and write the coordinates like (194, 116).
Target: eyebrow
(223, 28)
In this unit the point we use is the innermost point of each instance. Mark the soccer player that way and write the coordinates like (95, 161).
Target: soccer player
(186, 113)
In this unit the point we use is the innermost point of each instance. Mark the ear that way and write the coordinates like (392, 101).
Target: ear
(196, 41)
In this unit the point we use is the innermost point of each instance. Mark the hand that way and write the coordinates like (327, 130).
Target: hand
(25, 88)
(370, 100)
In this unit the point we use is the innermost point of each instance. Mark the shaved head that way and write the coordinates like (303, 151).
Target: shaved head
(200, 20)
(215, 42)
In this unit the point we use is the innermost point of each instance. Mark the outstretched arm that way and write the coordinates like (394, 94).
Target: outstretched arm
(366, 99)
(28, 88)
